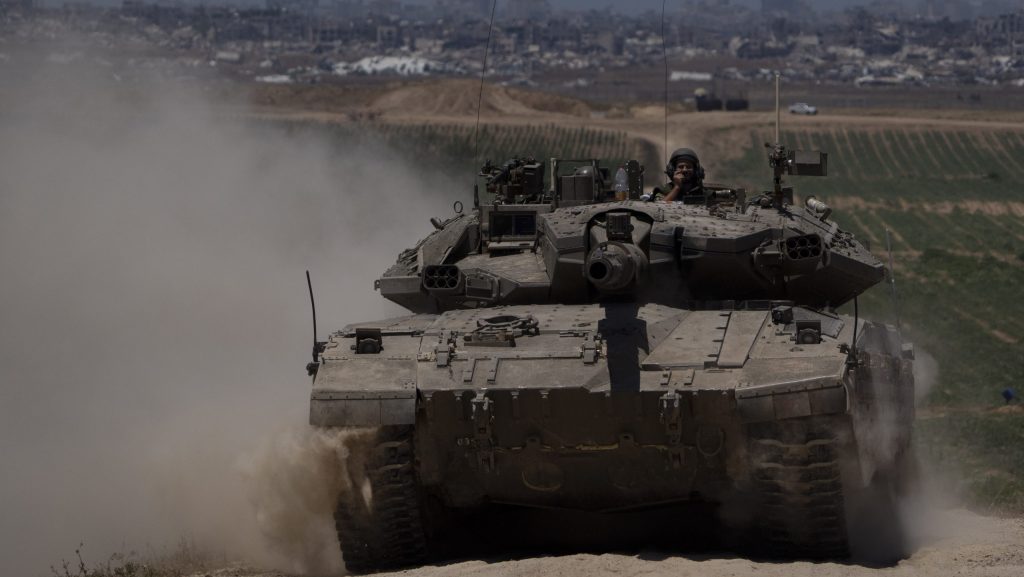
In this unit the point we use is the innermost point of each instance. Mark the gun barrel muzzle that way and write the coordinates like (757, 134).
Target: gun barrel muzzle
(615, 266)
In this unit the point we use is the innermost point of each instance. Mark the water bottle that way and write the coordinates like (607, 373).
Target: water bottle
(621, 184)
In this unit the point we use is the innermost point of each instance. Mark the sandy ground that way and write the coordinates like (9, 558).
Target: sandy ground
(954, 542)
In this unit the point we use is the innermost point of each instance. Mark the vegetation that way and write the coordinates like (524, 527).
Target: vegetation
(186, 559)
(988, 449)
(951, 202)
(453, 149)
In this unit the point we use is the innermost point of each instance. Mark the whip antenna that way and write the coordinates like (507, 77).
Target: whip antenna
(778, 118)
(480, 98)
(892, 283)
(851, 356)
(664, 54)
(312, 304)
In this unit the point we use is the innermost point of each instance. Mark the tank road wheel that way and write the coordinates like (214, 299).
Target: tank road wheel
(797, 478)
(379, 520)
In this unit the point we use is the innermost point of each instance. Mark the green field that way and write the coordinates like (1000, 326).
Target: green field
(460, 150)
(953, 201)
(957, 231)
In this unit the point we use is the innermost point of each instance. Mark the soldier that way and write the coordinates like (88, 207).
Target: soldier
(687, 177)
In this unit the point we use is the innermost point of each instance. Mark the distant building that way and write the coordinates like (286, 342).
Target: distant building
(1005, 25)
(389, 36)
(1005, 30)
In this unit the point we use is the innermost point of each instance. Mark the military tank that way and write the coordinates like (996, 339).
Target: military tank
(582, 347)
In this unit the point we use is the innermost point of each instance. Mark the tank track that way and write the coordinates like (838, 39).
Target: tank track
(386, 533)
(797, 478)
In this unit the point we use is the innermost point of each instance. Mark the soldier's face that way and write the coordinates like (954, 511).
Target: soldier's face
(685, 169)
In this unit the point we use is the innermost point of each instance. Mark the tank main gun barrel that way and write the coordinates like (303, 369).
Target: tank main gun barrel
(616, 266)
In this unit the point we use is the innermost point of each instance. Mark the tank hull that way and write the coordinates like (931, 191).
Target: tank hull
(619, 407)
(574, 449)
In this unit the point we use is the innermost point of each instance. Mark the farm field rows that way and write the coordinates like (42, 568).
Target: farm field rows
(453, 149)
(953, 202)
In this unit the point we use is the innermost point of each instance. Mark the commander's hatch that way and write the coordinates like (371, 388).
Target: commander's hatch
(577, 181)
(580, 181)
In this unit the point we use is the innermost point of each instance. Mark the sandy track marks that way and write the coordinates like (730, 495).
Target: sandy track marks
(944, 207)
(848, 149)
(919, 141)
(872, 238)
(942, 141)
(912, 165)
(1015, 233)
(894, 233)
(870, 143)
(893, 155)
(995, 143)
(985, 326)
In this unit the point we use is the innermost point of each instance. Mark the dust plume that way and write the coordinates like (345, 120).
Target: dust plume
(155, 321)
(906, 505)
(926, 374)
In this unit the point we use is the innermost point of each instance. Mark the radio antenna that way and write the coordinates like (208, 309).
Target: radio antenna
(312, 304)
(778, 158)
(480, 98)
(851, 355)
(892, 284)
(664, 54)
(778, 116)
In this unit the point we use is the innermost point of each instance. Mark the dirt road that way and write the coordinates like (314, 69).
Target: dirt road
(456, 102)
(954, 542)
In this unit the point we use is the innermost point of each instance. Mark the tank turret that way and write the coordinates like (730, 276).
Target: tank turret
(574, 243)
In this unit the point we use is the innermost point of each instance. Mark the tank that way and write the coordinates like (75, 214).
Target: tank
(580, 349)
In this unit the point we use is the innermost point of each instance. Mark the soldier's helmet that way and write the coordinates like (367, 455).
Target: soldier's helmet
(685, 154)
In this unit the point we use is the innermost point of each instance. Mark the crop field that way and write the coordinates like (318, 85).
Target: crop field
(453, 149)
(953, 201)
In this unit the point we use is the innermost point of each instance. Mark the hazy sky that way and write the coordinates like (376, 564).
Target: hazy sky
(620, 5)
(641, 5)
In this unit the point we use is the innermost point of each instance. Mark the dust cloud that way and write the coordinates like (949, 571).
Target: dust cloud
(155, 323)
(906, 507)
(926, 374)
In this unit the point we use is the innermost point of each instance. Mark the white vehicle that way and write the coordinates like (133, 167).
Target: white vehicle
(802, 108)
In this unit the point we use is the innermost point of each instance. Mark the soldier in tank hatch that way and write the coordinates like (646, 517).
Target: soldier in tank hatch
(687, 184)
